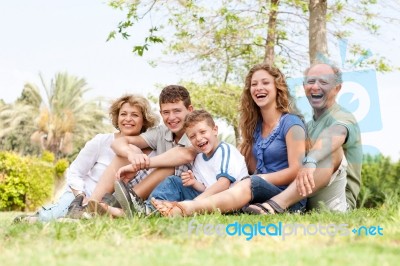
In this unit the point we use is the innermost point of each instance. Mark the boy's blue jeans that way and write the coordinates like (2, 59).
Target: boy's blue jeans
(172, 189)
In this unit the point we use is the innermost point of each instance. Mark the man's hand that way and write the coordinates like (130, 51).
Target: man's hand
(305, 180)
(138, 161)
(125, 173)
(188, 178)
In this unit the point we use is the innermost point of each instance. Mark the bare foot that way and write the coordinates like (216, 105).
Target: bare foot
(114, 211)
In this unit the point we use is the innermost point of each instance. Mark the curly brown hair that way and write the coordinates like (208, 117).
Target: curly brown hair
(250, 113)
(150, 118)
(175, 93)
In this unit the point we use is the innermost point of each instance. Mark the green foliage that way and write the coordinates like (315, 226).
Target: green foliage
(60, 167)
(224, 38)
(380, 181)
(17, 124)
(221, 101)
(25, 182)
(132, 18)
(48, 156)
(18, 140)
(366, 18)
(60, 122)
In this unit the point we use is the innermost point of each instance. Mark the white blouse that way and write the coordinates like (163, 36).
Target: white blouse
(86, 170)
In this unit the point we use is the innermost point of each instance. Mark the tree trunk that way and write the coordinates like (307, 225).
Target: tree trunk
(318, 47)
(271, 36)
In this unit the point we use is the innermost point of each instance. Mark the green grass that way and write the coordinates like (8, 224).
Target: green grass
(162, 241)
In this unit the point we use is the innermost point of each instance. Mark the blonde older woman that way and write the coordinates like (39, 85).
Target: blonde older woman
(130, 115)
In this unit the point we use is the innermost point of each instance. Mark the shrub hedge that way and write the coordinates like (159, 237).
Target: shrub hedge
(27, 182)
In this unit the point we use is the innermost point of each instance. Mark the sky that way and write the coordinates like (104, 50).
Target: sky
(51, 36)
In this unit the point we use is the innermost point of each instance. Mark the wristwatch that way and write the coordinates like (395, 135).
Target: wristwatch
(308, 160)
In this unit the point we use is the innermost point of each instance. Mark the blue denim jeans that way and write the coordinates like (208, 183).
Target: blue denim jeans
(172, 189)
(56, 210)
(262, 190)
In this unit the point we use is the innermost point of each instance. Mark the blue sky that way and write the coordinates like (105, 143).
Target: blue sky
(49, 36)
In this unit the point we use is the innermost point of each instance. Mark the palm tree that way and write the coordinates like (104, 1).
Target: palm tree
(17, 123)
(58, 120)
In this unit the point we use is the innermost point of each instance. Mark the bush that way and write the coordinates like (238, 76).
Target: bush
(380, 181)
(25, 182)
(48, 156)
(60, 167)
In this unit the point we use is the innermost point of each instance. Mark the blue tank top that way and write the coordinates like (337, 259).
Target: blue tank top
(271, 152)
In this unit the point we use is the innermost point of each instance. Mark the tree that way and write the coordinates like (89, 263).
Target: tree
(317, 36)
(221, 40)
(271, 35)
(220, 100)
(58, 120)
(17, 123)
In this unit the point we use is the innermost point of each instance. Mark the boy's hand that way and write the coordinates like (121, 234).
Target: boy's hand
(138, 161)
(126, 173)
(188, 178)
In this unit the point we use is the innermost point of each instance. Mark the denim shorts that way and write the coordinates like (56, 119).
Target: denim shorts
(262, 190)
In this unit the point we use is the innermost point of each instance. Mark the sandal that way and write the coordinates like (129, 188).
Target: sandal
(259, 208)
(169, 208)
(275, 206)
(256, 208)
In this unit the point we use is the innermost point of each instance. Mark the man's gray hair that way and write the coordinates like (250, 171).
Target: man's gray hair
(335, 69)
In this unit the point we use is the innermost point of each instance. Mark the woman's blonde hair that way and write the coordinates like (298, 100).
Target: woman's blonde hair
(150, 119)
(250, 113)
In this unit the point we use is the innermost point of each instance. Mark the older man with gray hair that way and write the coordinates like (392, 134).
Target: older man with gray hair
(331, 172)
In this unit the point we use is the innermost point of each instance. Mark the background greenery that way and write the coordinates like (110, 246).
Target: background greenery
(26, 182)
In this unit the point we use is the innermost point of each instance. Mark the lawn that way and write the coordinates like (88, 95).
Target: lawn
(322, 239)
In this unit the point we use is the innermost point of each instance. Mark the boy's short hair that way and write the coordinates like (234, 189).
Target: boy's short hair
(198, 116)
(175, 93)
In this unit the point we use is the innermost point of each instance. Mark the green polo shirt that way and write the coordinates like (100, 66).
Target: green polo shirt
(336, 115)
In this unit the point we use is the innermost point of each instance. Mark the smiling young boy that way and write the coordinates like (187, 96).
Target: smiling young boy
(215, 168)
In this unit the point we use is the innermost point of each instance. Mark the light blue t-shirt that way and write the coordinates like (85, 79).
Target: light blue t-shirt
(271, 152)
